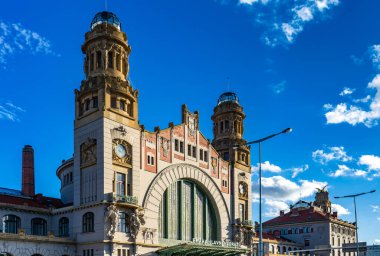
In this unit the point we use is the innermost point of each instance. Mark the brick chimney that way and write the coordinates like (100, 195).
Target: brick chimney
(27, 186)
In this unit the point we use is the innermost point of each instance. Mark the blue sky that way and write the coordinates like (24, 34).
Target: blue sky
(310, 65)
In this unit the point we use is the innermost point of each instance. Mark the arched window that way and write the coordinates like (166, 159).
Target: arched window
(39, 227)
(11, 223)
(88, 222)
(110, 60)
(99, 59)
(283, 249)
(63, 227)
(123, 227)
(186, 213)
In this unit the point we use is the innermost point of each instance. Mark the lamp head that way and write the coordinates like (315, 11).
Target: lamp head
(287, 130)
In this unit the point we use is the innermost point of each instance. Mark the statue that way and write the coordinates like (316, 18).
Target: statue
(112, 220)
(135, 221)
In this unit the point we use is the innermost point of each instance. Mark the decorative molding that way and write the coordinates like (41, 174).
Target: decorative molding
(88, 153)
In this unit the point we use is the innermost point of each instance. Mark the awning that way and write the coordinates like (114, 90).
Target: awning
(197, 249)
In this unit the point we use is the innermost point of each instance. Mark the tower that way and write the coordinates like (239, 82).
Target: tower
(228, 129)
(322, 200)
(106, 114)
(106, 92)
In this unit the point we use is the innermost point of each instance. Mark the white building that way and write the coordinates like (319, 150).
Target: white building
(129, 191)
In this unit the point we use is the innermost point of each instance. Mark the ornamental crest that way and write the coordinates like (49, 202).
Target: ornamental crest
(214, 164)
(243, 190)
(164, 146)
(88, 153)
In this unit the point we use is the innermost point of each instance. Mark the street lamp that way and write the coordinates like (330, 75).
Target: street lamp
(287, 130)
(356, 220)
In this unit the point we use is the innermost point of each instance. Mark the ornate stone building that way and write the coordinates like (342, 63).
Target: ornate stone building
(130, 191)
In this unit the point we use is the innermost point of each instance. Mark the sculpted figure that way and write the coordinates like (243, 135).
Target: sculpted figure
(112, 220)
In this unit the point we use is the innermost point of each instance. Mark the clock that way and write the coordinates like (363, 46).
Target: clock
(120, 150)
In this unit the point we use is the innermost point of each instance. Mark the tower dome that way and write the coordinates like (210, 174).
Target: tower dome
(106, 17)
(228, 97)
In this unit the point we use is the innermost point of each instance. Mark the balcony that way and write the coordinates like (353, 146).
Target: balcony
(247, 223)
(124, 199)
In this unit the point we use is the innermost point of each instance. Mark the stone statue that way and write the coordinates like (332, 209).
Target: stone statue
(136, 219)
(112, 220)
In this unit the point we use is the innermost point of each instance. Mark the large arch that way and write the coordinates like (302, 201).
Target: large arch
(177, 172)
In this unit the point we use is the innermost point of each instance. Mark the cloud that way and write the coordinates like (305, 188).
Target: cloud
(372, 162)
(340, 209)
(279, 88)
(298, 170)
(9, 111)
(283, 21)
(375, 208)
(14, 38)
(347, 91)
(356, 60)
(377, 241)
(374, 52)
(267, 166)
(279, 192)
(345, 171)
(331, 154)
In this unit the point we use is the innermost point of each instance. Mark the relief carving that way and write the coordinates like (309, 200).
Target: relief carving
(243, 190)
(88, 152)
(164, 146)
(136, 219)
(111, 220)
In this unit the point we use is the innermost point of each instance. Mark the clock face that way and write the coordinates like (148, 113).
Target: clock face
(120, 150)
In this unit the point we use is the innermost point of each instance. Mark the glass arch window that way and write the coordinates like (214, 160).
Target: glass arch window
(39, 227)
(11, 223)
(88, 222)
(186, 212)
(63, 227)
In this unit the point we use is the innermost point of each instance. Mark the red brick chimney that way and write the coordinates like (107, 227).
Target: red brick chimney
(27, 186)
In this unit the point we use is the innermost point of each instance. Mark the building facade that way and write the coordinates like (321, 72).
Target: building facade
(314, 226)
(130, 191)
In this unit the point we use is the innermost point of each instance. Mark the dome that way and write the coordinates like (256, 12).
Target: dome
(106, 17)
(228, 97)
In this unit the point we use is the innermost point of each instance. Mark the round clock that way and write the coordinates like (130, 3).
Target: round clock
(120, 150)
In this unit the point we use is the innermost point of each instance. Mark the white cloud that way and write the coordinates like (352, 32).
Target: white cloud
(363, 100)
(377, 241)
(345, 171)
(15, 38)
(278, 192)
(374, 52)
(284, 20)
(375, 208)
(331, 154)
(279, 88)
(9, 111)
(340, 209)
(298, 170)
(267, 166)
(372, 162)
(347, 91)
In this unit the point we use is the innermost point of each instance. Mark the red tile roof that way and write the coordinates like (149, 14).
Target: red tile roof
(273, 237)
(298, 216)
(38, 201)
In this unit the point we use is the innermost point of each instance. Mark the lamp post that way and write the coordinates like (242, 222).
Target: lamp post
(356, 219)
(259, 141)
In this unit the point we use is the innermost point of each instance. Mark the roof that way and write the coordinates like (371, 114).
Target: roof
(106, 17)
(298, 216)
(268, 236)
(8, 191)
(38, 201)
(228, 97)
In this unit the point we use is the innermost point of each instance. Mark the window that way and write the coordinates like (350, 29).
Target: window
(120, 183)
(194, 152)
(98, 59)
(289, 232)
(307, 242)
(122, 105)
(226, 156)
(63, 227)
(113, 102)
(92, 62)
(118, 61)
(87, 104)
(123, 252)
(88, 222)
(11, 223)
(221, 127)
(176, 145)
(88, 252)
(227, 125)
(205, 157)
(181, 146)
(95, 102)
(110, 59)
(224, 183)
(150, 160)
(201, 154)
(123, 227)
(124, 66)
(71, 176)
(242, 212)
(39, 227)
(189, 150)
(129, 108)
